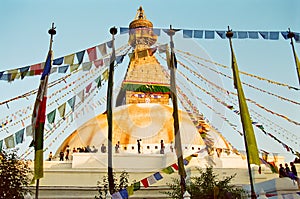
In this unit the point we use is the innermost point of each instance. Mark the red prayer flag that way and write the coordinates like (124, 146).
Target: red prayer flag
(145, 182)
(175, 166)
(92, 53)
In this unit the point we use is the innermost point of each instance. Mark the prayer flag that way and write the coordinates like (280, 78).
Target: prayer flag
(129, 189)
(98, 63)
(116, 195)
(244, 114)
(253, 35)
(62, 110)
(19, 136)
(102, 49)
(58, 61)
(74, 67)
(187, 33)
(168, 170)
(222, 34)
(38, 119)
(124, 30)
(63, 69)
(175, 166)
(86, 66)
(136, 186)
(10, 142)
(209, 34)
(79, 56)
(145, 182)
(124, 193)
(92, 53)
(71, 102)
(24, 71)
(156, 31)
(198, 34)
(69, 59)
(157, 176)
(51, 116)
(151, 180)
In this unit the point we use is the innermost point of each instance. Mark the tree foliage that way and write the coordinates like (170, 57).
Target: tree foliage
(206, 186)
(15, 176)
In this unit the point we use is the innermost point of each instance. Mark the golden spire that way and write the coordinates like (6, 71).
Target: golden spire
(140, 20)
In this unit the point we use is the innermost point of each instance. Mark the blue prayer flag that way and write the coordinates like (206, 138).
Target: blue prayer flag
(58, 61)
(242, 34)
(198, 33)
(285, 34)
(265, 35)
(253, 35)
(274, 35)
(124, 30)
(79, 56)
(209, 34)
(63, 69)
(156, 31)
(157, 176)
(221, 33)
(124, 193)
(187, 33)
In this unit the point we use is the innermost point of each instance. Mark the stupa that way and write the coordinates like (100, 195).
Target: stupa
(143, 111)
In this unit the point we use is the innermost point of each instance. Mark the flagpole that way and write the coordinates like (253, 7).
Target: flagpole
(291, 35)
(52, 32)
(238, 86)
(113, 32)
(178, 146)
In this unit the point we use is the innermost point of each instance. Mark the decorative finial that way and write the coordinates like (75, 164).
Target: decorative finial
(52, 31)
(290, 34)
(229, 33)
(141, 13)
(113, 30)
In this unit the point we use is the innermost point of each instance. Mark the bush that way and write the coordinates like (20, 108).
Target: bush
(103, 186)
(14, 176)
(207, 186)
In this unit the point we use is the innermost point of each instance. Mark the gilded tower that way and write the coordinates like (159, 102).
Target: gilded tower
(145, 80)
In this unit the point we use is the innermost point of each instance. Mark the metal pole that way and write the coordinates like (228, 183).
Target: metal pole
(229, 35)
(52, 32)
(113, 32)
(178, 146)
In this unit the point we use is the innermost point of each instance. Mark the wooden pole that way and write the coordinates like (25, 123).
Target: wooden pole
(178, 146)
(113, 32)
(291, 35)
(229, 35)
(52, 32)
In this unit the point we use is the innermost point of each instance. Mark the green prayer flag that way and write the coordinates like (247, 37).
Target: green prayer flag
(168, 170)
(136, 186)
(245, 116)
(51, 116)
(74, 67)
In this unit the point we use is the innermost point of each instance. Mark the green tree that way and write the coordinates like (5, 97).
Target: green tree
(15, 176)
(206, 186)
(119, 185)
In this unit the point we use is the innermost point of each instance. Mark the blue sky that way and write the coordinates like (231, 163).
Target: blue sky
(81, 24)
